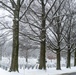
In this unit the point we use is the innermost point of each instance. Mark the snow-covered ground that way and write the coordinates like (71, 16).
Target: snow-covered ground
(34, 71)
(3, 72)
(51, 71)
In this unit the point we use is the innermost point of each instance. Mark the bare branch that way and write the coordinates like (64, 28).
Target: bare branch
(50, 9)
(25, 10)
(6, 5)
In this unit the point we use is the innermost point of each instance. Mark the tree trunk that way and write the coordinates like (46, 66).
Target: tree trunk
(69, 48)
(42, 64)
(14, 61)
(27, 56)
(42, 60)
(68, 59)
(58, 67)
(58, 60)
(0, 53)
(75, 58)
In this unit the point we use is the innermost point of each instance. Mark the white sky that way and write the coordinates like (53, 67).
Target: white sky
(5, 13)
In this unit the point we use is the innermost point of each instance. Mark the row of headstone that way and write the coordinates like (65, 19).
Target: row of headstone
(27, 66)
(4, 67)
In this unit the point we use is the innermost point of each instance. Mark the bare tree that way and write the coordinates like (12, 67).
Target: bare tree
(39, 21)
(56, 29)
(69, 32)
(15, 10)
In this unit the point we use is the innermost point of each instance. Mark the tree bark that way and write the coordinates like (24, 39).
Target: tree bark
(42, 64)
(42, 60)
(26, 56)
(58, 66)
(75, 58)
(0, 53)
(68, 59)
(14, 61)
(69, 49)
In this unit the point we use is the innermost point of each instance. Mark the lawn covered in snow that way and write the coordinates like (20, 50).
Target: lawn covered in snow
(51, 71)
(3, 72)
